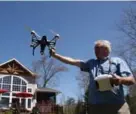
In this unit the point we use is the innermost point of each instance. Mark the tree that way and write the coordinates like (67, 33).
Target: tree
(83, 80)
(70, 101)
(128, 49)
(128, 27)
(47, 70)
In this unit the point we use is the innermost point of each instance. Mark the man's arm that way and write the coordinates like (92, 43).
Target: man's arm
(125, 76)
(117, 80)
(66, 60)
(127, 80)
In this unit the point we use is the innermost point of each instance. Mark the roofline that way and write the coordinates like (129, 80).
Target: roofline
(54, 91)
(18, 63)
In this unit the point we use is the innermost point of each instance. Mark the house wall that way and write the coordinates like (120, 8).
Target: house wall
(31, 87)
(31, 80)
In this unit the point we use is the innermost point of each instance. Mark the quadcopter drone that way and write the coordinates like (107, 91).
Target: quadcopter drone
(43, 42)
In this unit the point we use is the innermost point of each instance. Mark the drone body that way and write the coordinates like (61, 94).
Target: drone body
(43, 42)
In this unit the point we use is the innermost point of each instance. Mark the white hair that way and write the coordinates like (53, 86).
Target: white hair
(105, 43)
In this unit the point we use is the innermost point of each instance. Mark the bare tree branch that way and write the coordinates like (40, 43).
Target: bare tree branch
(83, 80)
(128, 27)
(48, 69)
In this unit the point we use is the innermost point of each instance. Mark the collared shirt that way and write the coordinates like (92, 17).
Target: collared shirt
(112, 65)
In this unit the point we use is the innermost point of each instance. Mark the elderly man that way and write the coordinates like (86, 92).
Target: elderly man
(110, 101)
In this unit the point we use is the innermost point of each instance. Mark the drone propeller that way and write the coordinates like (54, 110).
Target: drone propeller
(28, 28)
(35, 34)
(55, 34)
(32, 32)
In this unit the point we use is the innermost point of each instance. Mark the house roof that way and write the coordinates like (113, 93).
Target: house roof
(47, 90)
(14, 67)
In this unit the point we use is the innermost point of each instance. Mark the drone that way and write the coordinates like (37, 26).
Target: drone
(43, 42)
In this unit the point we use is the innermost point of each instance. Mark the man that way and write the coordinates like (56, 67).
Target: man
(110, 101)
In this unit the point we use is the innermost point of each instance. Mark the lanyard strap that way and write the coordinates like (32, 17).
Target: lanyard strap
(100, 68)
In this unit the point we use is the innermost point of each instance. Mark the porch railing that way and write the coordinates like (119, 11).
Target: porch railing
(49, 108)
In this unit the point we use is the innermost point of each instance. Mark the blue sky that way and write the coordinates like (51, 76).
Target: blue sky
(80, 24)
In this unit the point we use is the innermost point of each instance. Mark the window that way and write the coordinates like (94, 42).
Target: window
(14, 84)
(23, 82)
(29, 103)
(16, 88)
(6, 86)
(0, 80)
(23, 101)
(19, 84)
(5, 83)
(29, 90)
(23, 88)
(13, 94)
(5, 94)
(7, 80)
(16, 80)
(4, 100)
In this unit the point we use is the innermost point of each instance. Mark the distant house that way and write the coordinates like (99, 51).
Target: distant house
(15, 78)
